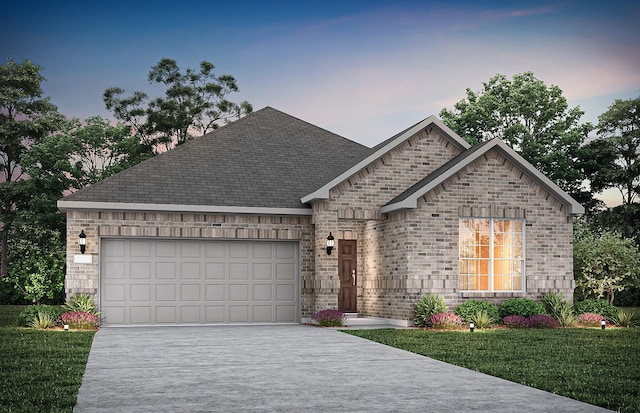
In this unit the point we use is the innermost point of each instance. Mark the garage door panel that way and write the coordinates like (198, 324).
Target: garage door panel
(145, 281)
(140, 270)
(190, 292)
(215, 270)
(190, 270)
(214, 292)
(166, 292)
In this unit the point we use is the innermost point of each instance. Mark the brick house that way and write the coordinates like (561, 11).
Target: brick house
(233, 227)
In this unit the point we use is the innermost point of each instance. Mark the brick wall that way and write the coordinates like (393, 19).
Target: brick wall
(426, 240)
(84, 278)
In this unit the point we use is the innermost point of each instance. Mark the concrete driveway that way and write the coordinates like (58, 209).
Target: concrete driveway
(285, 368)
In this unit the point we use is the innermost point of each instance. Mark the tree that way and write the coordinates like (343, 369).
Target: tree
(604, 263)
(534, 119)
(83, 153)
(193, 102)
(613, 159)
(26, 118)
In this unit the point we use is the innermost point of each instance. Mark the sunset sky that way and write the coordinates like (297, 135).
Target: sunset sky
(362, 69)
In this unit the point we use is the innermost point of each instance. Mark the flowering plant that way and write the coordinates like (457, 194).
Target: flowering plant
(590, 319)
(515, 321)
(543, 321)
(444, 321)
(330, 318)
(80, 320)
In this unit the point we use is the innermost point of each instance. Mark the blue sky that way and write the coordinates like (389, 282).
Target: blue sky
(362, 69)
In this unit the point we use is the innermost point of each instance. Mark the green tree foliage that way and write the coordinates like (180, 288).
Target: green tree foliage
(613, 159)
(26, 118)
(194, 102)
(533, 118)
(604, 263)
(37, 257)
(84, 152)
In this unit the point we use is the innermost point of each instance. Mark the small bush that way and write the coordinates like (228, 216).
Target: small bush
(81, 303)
(566, 317)
(444, 321)
(625, 318)
(525, 307)
(515, 321)
(42, 321)
(469, 308)
(80, 320)
(481, 319)
(32, 311)
(429, 304)
(543, 321)
(602, 307)
(330, 318)
(556, 306)
(590, 319)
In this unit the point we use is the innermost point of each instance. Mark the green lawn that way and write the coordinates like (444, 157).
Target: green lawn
(40, 371)
(591, 365)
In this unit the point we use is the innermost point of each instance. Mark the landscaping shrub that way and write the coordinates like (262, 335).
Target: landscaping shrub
(543, 321)
(590, 319)
(591, 305)
(429, 304)
(80, 320)
(42, 321)
(330, 318)
(32, 311)
(470, 308)
(556, 306)
(515, 321)
(444, 321)
(525, 307)
(625, 318)
(481, 319)
(81, 303)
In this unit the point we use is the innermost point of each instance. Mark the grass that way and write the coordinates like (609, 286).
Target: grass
(594, 366)
(40, 371)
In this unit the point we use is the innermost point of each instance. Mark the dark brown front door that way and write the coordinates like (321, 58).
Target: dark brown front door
(347, 258)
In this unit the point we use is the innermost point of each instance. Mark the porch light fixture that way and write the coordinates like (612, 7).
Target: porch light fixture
(471, 327)
(82, 241)
(330, 243)
(603, 324)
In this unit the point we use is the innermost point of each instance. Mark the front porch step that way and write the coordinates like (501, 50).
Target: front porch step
(353, 319)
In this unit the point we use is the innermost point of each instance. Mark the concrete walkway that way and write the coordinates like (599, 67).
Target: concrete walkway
(286, 368)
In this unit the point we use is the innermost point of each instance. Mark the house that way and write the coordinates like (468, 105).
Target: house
(238, 226)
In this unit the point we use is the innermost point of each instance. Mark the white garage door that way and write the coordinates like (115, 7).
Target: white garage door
(146, 281)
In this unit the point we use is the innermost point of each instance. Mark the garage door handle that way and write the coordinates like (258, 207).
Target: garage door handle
(353, 274)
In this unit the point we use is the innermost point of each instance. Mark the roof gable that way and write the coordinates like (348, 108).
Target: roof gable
(265, 161)
(383, 148)
(409, 198)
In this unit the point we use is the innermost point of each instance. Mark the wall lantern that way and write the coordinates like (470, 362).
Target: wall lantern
(82, 241)
(603, 324)
(472, 327)
(330, 243)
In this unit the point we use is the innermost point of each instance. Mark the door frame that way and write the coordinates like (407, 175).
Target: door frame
(348, 294)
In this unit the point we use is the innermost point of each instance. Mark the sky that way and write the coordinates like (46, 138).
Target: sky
(362, 69)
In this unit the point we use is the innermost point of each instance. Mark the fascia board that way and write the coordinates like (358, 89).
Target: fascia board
(121, 206)
(323, 192)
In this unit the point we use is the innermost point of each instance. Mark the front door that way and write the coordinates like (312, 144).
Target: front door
(347, 258)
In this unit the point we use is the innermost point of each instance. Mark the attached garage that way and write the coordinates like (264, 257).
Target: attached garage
(171, 281)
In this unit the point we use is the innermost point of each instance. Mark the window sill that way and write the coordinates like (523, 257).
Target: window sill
(493, 294)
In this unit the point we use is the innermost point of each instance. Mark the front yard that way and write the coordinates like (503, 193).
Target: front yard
(591, 365)
(40, 370)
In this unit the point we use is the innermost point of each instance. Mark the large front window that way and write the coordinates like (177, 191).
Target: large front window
(491, 254)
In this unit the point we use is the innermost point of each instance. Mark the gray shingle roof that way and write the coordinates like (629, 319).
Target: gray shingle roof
(267, 159)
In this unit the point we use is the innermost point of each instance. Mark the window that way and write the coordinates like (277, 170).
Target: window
(491, 254)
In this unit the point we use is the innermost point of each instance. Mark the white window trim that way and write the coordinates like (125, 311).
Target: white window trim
(491, 256)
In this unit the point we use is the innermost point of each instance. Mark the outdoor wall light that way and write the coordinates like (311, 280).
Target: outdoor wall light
(330, 243)
(603, 324)
(472, 327)
(82, 241)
